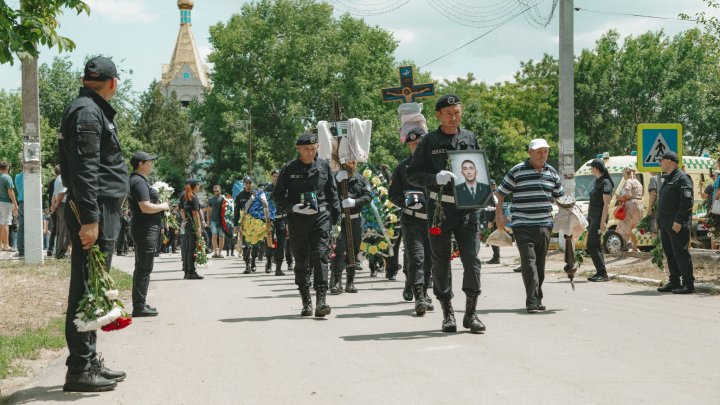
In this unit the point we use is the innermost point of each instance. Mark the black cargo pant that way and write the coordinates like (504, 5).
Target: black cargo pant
(594, 245)
(393, 262)
(278, 251)
(417, 249)
(532, 243)
(310, 242)
(675, 246)
(464, 225)
(340, 261)
(145, 237)
(81, 345)
(188, 250)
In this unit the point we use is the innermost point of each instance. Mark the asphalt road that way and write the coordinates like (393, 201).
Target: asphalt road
(238, 339)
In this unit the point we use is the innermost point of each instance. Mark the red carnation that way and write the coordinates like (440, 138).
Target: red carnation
(118, 324)
(642, 232)
(435, 230)
(274, 244)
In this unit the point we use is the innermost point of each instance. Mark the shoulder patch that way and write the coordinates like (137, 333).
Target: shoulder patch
(687, 192)
(607, 187)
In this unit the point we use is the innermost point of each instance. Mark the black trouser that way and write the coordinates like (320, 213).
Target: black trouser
(594, 246)
(250, 251)
(121, 244)
(21, 229)
(417, 250)
(311, 239)
(341, 261)
(53, 233)
(81, 345)
(532, 243)
(464, 225)
(278, 251)
(393, 262)
(145, 236)
(288, 250)
(61, 234)
(188, 250)
(675, 246)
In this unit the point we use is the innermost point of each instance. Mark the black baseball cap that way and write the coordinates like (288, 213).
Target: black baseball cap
(100, 69)
(248, 179)
(671, 156)
(598, 164)
(446, 101)
(141, 157)
(194, 182)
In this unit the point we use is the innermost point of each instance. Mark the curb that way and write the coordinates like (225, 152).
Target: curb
(699, 287)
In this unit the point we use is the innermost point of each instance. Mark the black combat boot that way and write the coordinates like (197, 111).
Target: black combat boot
(88, 381)
(420, 304)
(336, 284)
(247, 268)
(268, 266)
(428, 300)
(669, 286)
(448, 324)
(407, 292)
(99, 365)
(307, 308)
(470, 320)
(322, 308)
(349, 286)
(278, 270)
(252, 265)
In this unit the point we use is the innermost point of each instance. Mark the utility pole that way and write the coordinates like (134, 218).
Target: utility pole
(567, 97)
(250, 145)
(32, 179)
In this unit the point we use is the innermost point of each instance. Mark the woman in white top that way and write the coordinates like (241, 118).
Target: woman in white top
(631, 194)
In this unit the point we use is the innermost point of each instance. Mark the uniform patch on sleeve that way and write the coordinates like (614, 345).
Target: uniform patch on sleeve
(688, 193)
(607, 188)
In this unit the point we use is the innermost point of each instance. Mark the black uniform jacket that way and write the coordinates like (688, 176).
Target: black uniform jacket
(675, 200)
(91, 159)
(431, 156)
(278, 209)
(399, 185)
(297, 178)
(360, 190)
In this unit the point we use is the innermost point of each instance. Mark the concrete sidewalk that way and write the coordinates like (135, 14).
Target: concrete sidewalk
(238, 339)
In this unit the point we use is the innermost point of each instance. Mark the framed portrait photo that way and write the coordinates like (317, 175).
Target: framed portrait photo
(472, 186)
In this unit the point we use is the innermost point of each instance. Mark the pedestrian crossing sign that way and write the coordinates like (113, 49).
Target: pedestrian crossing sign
(654, 140)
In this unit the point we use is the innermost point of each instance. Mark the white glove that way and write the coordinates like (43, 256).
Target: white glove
(303, 209)
(348, 203)
(444, 177)
(416, 206)
(341, 175)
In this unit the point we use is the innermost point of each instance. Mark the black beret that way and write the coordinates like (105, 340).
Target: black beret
(414, 134)
(446, 100)
(100, 69)
(671, 156)
(307, 139)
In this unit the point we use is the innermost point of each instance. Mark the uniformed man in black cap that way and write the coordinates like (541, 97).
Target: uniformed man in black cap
(147, 214)
(428, 168)
(306, 190)
(193, 228)
(277, 252)
(96, 179)
(675, 202)
(415, 227)
(359, 194)
(250, 251)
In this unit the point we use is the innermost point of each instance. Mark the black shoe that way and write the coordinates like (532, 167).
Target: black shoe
(144, 311)
(268, 266)
(535, 308)
(448, 323)
(420, 304)
(194, 276)
(99, 365)
(336, 284)
(494, 260)
(518, 269)
(307, 309)
(599, 278)
(669, 287)
(685, 289)
(322, 308)
(428, 300)
(471, 320)
(407, 292)
(350, 286)
(278, 270)
(88, 381)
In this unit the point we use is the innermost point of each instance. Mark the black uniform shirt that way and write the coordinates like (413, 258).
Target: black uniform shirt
(675, 200)
(91, 159)
(399, 185)
(140, 190)
(191, 206)
(431, 157)
(599, 188)
(297, 178)
(360, 190)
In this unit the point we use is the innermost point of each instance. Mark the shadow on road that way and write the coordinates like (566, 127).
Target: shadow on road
(519, 311)
(404, 312)
(641, 293)
(267, 318)
(263, 297)
(407, 335)
(42, 394)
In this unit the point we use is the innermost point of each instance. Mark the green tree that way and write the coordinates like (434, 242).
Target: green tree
(23, 29)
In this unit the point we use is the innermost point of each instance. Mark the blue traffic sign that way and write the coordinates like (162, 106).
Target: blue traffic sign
(654, 140)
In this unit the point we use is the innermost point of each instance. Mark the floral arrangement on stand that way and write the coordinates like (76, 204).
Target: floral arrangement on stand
(380, 218)
(99, 307)
(712, 221)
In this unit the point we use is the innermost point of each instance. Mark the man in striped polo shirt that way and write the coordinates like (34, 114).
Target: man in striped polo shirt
(534, 186)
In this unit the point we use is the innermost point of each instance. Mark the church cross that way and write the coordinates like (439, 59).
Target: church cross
(408, 91)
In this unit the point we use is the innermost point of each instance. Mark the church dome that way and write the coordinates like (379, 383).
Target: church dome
(185, 4)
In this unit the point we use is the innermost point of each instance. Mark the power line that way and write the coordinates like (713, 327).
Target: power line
(476, 38)
(672, 19)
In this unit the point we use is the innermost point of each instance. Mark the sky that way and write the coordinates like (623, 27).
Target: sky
(140, 34)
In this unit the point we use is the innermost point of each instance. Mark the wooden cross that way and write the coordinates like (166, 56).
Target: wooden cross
(408, 92)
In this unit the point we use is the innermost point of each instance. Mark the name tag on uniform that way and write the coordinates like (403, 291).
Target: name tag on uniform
(296, 176)
(111, 126)
(438, 151)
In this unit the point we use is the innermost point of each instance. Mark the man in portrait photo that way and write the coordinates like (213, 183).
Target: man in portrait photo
(470, 193)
